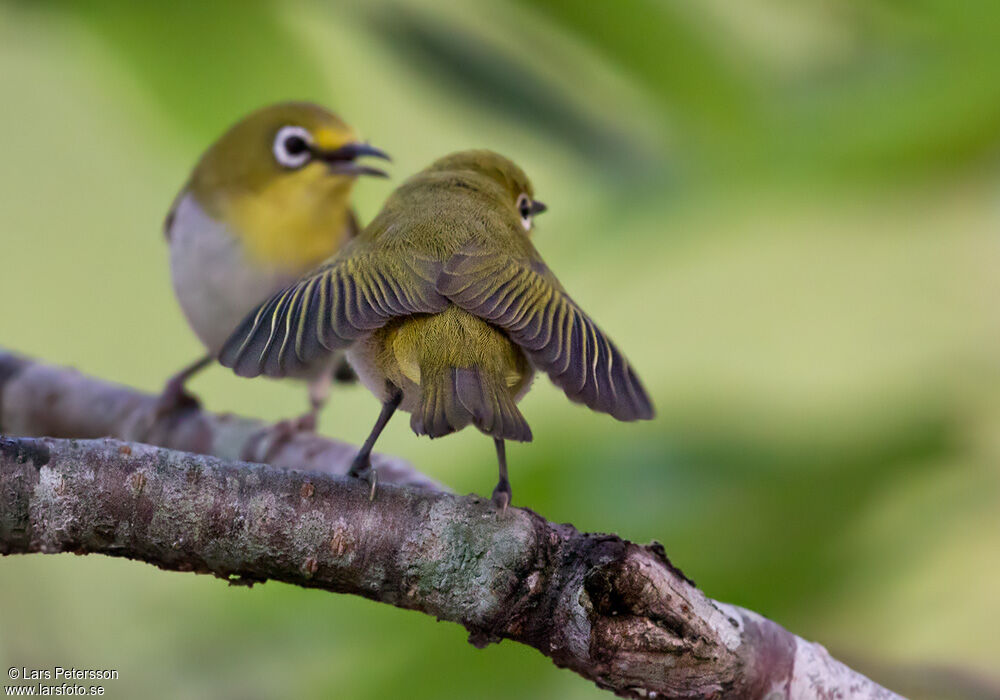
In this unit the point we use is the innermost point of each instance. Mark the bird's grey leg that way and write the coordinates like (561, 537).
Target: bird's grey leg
(361, 467)
(319, 394)
(174, 395)
(502, 493)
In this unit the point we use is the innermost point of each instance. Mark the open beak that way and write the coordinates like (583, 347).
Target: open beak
(537, 207)
(342, 160)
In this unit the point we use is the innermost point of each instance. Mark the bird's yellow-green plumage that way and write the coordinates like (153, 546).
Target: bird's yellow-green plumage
(456, 368)
(288, 219)
(266, 203)
(444, 297)
(409, 349)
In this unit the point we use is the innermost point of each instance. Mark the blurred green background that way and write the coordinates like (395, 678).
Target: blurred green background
(786, 212)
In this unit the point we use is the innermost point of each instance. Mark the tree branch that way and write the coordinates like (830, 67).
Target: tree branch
(617, 613)
(38, 399)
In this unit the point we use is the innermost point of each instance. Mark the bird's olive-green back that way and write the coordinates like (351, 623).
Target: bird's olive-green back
(461, 197)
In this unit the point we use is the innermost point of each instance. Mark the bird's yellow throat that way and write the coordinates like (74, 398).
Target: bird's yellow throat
(291, 223)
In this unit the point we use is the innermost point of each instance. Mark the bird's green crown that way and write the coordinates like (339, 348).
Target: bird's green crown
(490, 174)
(245, 156)
(494, 166)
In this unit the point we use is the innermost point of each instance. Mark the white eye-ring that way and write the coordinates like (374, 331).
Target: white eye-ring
(292, 146)
(524, 209)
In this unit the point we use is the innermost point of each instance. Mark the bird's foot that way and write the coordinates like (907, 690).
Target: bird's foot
(306, 423)
(361, 468)
(501, 496)
(285, 430)
(175, 398)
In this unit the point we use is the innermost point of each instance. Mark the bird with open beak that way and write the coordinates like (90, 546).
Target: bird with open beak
(266, 203)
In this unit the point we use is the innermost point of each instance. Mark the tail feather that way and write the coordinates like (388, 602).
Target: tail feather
(460, 396)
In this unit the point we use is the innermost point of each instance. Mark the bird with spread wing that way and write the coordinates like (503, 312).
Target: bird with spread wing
(445, 310)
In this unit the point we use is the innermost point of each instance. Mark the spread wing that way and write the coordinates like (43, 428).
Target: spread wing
(345, 299)
(524, 299)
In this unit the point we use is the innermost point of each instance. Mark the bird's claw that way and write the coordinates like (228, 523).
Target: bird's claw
(175, 398)
(306, 423)
(283, 431)
(501, 497)
(362, 469)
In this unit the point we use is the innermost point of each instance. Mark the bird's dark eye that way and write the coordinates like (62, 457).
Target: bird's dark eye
(295, 145)
(292, 146)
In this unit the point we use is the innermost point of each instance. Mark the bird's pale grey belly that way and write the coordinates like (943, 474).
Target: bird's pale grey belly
(216, 284)
(361, 355)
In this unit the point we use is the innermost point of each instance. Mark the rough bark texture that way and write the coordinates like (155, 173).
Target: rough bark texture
(617, 613)
(37, 399)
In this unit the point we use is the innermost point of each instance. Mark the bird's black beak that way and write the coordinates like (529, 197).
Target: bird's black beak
(537, 207)
(341, 160)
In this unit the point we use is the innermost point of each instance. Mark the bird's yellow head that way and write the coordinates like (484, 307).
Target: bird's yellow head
(281, 178)
(510, 185)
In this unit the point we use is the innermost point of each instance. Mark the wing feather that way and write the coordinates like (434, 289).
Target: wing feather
(526, 301)
(342, 301)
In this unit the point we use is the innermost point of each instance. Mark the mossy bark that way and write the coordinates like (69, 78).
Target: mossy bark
(613, 611)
